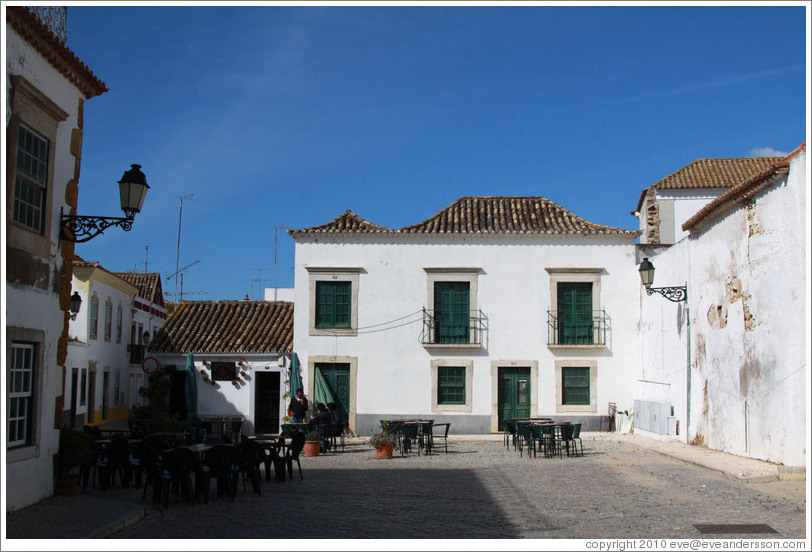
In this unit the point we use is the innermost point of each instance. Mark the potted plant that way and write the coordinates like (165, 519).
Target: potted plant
(384, 443)
(75, 450)
(312, 444)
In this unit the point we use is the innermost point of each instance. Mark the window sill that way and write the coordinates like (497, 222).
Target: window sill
(576, 346)
(452, 345)
(341, 332)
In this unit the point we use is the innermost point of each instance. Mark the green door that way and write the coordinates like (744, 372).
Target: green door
(337, 379)
(514, 394)
(575, 313)
(451, 312)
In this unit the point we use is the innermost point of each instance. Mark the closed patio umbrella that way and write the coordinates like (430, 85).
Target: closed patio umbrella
(295, 376)
(190, 389)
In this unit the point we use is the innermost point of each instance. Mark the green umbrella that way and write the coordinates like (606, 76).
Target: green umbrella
(322, 392)
(295, 377)
(190, 389)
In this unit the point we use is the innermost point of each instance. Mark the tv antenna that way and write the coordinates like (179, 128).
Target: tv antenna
(177, 258)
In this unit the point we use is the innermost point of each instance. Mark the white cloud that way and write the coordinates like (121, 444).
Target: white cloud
(767, 152)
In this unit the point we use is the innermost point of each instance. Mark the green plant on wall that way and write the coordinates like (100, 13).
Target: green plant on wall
(157, 410)
(285, 399)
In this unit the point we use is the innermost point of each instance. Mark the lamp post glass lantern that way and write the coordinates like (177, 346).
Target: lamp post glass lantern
(132, 191)
(676, 294)
(75, 304)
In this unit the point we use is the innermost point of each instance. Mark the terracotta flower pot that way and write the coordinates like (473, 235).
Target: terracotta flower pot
(385, 451)
(312, 448)
(66, 486)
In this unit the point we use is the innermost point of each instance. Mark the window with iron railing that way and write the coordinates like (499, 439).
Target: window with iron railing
(576, 328)
(460, 330)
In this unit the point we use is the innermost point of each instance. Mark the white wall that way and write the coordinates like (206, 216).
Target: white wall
(224, 399)
(746, 275)
(30, 469)
(684, 204)
(394, 369)
(105, 355)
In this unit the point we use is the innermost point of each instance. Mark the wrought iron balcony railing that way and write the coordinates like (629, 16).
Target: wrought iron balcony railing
(568, 328)
(447, 329)
(137, 353)
(55, 18)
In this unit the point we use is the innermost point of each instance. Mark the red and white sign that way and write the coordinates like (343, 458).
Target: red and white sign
(150, 365)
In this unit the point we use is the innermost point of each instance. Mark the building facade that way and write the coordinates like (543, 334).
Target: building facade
(96, 382)
(241, 351)
(47, 86)
(731, 360)
(496, 307)
(148, 314)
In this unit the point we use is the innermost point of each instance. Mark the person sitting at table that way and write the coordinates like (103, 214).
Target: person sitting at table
(297, 409)
(320, 421)
(335, 417)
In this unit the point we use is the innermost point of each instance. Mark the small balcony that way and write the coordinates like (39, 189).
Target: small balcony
(137, 353)
(458, 330)
(578, 330)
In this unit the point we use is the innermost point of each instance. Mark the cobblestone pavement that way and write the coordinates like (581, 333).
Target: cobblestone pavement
(482, 490)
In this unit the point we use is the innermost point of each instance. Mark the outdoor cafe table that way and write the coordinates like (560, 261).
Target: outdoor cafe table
(425, 430)
(273, 444)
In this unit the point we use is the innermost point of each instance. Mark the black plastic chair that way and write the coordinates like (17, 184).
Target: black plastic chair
(443, 435)
(524, 436)
(249, 456)
(294, 450)
(410, 433)
(181, 464)
(222, 464)
(150, 467)
(510, 434)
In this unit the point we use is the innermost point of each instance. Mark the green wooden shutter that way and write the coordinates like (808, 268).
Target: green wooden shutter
(333, 304)
(575, 313)
(451, 385)
(452, 312)
(575, 385)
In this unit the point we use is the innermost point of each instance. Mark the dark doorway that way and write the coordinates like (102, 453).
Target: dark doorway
(91, 397)
(266, 402)
(177, 394)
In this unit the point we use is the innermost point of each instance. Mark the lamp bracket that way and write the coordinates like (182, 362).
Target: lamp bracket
(675, 294)
(78, 229)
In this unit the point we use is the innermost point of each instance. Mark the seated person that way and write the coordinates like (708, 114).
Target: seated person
(335, 417)
(320, 421)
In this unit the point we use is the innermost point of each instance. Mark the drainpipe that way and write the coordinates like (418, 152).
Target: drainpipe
(688, 377)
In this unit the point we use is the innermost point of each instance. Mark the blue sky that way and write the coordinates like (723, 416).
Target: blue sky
(281, 116)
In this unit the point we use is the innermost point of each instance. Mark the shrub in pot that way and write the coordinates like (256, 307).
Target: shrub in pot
(75, 450)
(384, 443)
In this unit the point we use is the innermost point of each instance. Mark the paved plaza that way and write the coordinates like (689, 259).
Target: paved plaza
(481, 490)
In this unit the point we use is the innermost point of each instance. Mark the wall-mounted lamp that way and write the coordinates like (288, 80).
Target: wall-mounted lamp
(677, 294)
(146, 337)
(132, 189)
(75, 304)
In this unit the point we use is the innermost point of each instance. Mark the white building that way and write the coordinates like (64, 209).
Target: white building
(665, 206)
(148, 315)
(737, 375)
(46, 88)
(496, 307)
(96, 390)
(240, 350)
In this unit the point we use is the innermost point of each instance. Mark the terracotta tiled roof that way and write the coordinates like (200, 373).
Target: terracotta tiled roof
(57, 54)
(227, 327)
(148, 284)
(712, 173)
(744, 191)
(347, 222)
(508, 215)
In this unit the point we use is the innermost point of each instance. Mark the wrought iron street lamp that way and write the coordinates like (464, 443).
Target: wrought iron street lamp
(75, 304)
(132, 189)
(676, 294)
